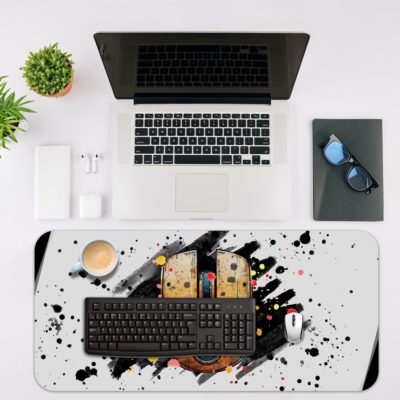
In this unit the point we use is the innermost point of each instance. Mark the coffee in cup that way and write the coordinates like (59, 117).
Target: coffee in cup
(98, 258)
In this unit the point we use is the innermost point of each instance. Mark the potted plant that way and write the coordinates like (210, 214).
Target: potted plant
(49, 71)
(12, 114)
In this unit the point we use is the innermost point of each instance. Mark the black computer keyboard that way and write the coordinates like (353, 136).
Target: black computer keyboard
(138, 327)
(229, 139)
(202, 66)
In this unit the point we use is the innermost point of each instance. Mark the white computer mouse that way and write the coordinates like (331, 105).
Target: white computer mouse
(293, 327)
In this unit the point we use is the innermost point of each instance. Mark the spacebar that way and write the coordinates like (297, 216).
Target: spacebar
(189, 159)
(139, 347)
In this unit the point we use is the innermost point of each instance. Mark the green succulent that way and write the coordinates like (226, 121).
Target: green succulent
(48, 71)
(12, 112)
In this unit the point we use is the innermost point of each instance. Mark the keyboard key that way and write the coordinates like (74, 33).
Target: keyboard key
(142, 140)
(167, 159)
(141, 131)
(226, 159)
(259, 150)
(262, 123)
(138, 159)
(148, 159)
(144, 149)
(195, 159)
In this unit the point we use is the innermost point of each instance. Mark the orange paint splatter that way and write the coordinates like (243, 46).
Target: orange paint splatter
(228, 369)
(300, 272)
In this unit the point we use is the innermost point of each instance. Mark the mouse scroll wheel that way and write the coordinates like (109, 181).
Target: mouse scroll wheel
(293, 320)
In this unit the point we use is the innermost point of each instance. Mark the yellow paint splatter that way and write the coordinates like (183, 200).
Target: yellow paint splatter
(276, 306)
(257, 308)
(262, 266)
(229, 369)
(253, 272)
(153, 359)
(161, 260)
(259, 332)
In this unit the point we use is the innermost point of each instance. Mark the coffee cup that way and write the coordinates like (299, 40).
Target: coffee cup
(97, 258)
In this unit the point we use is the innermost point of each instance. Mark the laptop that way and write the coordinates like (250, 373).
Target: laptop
(200, 128)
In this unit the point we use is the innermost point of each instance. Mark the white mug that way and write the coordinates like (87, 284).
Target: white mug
(98, 256)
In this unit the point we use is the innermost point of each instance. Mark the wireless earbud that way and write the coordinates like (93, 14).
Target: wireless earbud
(86, 158)
(94, 162)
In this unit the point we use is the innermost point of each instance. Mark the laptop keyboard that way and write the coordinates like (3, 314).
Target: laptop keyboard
(226, 139)
(203, 65)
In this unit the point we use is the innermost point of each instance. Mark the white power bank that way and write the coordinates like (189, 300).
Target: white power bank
(53, 182)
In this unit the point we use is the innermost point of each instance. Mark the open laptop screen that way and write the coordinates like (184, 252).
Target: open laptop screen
(201, 65)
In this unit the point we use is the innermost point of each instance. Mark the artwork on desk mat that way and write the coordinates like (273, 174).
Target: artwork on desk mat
(331, 277)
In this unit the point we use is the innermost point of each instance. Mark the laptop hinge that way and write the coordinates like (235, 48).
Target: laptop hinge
(202, 98)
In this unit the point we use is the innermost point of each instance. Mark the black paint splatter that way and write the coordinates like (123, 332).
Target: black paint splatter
(83, 374)
(305, 237)
(56, 308)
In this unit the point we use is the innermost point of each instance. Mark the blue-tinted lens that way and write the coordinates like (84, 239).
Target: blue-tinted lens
(336, 153)
(359, 179)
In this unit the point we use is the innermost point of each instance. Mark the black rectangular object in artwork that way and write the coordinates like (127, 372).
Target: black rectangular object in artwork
(201, 67)
(333, 198)
(151, 327)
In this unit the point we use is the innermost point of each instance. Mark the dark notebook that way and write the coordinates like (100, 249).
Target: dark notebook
(334, 199)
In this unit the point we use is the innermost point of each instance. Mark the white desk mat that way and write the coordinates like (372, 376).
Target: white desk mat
(331, 276)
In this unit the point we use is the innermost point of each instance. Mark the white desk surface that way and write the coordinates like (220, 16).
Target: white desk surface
(351, 70)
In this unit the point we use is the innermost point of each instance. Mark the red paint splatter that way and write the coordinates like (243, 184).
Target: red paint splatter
(244, 368)
(158, 244)
(267, 275)
(211, 276)
(253, 282)
(291, 310)
(171, 270)
(282, 379)
(300, 272)
(231, 382)
(269, 317)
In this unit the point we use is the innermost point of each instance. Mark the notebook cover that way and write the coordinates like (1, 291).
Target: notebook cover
(334, 199)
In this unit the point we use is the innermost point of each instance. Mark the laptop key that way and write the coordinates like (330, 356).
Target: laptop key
(226, 159)
(262, 123)
(206, 150)
(265, 162)
(144, 149)
(237, 159)
(264, 132)
(259, 150)
(148, 159)
(256, 160)
(142, 140)
(138, 159)
(195, 159)
(167, 159)
(156, 159)
(141, 131)
(261, 141)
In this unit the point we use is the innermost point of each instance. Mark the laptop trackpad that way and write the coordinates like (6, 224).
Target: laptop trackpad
(201, 192)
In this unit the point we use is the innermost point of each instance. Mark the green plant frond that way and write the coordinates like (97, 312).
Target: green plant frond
(12, 112)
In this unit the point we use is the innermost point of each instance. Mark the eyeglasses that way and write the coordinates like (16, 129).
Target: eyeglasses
(358, 178)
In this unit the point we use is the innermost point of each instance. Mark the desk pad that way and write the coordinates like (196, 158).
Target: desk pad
(329, 276)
